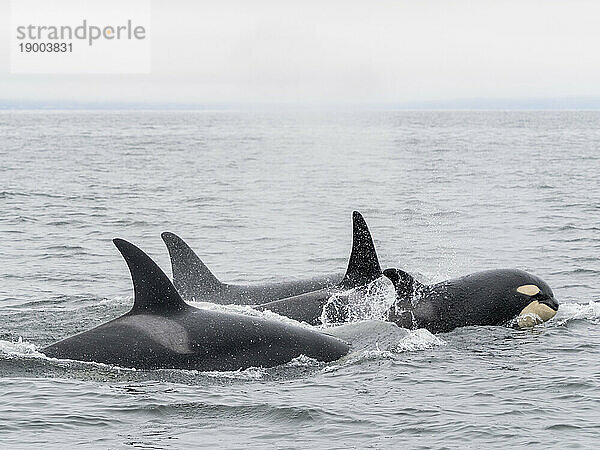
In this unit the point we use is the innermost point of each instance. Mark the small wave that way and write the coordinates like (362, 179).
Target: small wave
(577, 311)
(366, 355)
(259, 373)
(67, 302)
(63, 247)
(412, 341)
(569, 227)
(7, 194)
(303, 361)
(119, 299)
(18, 219)
(251, 373)
(577, 271)
(417, 340)
(24, 349)
(19, 349)
(248, 311)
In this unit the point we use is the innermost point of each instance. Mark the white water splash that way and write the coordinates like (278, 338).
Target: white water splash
(21, 348)
(576, 311)
(528, 320)
(251, 373)
(383, 349)
(416, 340)
(371, 302)
(303, 361)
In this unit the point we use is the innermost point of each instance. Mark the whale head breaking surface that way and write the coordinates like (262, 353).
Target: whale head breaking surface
(491, 297)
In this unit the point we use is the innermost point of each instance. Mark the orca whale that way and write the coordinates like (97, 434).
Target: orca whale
(491, 297)
(363, 268)
(163, 332)
(195, 282)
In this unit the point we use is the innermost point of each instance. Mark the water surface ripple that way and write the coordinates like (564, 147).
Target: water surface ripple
(263, 196)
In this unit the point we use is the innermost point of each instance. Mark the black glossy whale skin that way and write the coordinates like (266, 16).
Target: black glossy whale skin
(162, 332)
(195, 282)
(482, 298)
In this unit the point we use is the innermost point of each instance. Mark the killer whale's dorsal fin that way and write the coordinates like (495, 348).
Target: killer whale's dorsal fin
(153, 291)
(188, 269)
(404, 283)
(363, 266)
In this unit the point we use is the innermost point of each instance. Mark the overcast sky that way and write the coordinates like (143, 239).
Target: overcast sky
(373, 52)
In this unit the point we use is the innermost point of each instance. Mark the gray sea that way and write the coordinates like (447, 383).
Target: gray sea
(266, 196)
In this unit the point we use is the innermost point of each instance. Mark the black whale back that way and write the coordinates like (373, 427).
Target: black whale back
(195, 282)
(162, 331)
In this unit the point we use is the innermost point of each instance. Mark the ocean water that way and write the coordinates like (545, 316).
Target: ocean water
(264, 196)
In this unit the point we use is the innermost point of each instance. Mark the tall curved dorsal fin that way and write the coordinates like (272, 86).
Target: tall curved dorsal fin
(363, 266)
(153, 291)
(189, 272)
(404, 283)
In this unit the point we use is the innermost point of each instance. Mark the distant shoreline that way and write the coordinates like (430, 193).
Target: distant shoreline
(291, 108)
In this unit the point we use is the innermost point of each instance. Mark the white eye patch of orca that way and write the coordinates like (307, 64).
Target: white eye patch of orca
(529, 289)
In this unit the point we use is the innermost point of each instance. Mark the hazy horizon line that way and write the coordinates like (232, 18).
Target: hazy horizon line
(476, 104)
